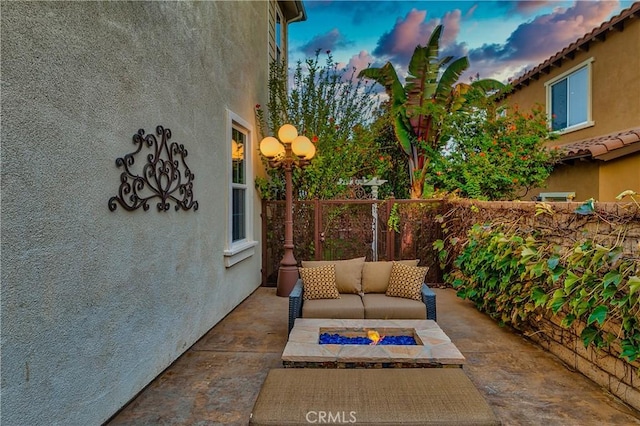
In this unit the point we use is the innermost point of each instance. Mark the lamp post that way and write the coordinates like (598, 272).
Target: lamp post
(292, 150)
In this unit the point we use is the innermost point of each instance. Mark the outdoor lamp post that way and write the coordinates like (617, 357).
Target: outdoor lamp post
(291, 150)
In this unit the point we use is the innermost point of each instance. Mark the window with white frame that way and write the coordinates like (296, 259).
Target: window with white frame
(240, 244)
(569, 98)
(238, 185)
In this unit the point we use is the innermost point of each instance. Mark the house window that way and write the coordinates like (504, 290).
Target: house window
(240, 243)
(569, 99)
(278, 37)
(238, 186)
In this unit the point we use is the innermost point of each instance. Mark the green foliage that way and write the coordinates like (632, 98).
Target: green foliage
(334, 109)
(393, 163)
(420, 107)
(493, 156)
(518, 278)
(394, 219)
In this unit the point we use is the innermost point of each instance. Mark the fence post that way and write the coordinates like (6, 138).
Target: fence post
(317, 224)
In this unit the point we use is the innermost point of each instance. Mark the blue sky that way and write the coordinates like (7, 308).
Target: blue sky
(501, 38)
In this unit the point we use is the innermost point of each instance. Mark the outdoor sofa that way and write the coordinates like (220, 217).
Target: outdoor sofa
(355, 289)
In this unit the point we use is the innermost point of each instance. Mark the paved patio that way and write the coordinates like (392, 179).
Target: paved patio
(218, 379)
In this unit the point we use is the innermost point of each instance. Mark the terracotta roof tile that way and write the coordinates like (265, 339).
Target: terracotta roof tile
(630, 138)
(595, 147)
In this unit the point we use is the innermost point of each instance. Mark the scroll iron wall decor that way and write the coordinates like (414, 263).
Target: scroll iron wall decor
(161, 177)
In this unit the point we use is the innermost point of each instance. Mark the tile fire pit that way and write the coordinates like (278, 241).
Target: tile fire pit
(433, 349)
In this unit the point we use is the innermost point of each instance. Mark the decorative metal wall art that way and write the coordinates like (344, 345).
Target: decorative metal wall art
(165, 176)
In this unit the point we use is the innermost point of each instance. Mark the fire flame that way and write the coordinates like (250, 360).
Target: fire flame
(374, 336)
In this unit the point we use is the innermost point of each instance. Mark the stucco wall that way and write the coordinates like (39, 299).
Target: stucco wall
(96, 303)
(581, 178)
(621, 174)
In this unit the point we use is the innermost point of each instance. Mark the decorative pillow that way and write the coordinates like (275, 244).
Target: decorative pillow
(406, 281)
(375, 275)
(348, 272)
(319, 283)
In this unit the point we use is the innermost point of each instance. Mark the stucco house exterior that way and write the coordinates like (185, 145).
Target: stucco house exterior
(101, 292)
(591, 91)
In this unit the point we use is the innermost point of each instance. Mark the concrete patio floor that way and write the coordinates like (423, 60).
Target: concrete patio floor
(218, 379)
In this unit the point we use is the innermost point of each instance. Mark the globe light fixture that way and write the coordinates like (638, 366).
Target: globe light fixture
(289, 150)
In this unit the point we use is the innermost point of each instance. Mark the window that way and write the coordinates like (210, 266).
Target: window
(240, 244)
(569, 98)
(278, 37)
(277, 33)
(238, 186)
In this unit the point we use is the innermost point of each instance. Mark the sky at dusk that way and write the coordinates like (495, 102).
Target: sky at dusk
(502, 39)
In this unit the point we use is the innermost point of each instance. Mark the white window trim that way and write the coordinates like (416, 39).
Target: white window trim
(236, 251)
(548, 84)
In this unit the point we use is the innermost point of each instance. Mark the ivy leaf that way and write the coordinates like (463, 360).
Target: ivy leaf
(438, 245)
(630, 352)
(570, 280)
(536, 270)
(557, 301)
(599, 314)
(557, 273)
(634, 284)
(609, 292)
(612, 277)
(586, 208)
(553, 262)
(528, 252)
(568, 320)
(539, 296)
(589, 335)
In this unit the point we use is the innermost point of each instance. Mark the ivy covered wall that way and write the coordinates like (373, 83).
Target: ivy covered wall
(565, 274)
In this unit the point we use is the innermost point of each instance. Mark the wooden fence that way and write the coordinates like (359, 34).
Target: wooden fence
(344, 229)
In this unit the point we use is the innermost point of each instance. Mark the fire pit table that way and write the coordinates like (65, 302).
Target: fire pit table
(433, 347)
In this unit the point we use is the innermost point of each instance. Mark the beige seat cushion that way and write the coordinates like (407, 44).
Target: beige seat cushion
(406, 281)
(348, 272)
(349, 306)
(375, 275)
(380, 306)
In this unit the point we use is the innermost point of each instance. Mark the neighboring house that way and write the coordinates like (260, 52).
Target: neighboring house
(591, 90)
(96, 303)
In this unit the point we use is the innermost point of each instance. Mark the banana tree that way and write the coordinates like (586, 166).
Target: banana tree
(431, 91)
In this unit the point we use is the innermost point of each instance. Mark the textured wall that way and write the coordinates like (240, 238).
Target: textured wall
(96, 303)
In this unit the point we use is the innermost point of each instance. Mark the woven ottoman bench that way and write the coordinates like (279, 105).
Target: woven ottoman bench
(417, 396)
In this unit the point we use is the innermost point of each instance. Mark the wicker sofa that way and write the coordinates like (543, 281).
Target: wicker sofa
(363, 292)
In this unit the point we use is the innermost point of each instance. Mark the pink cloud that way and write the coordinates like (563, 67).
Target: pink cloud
(535, 41)
(530, 6)
(547, 34)
(471, 11)
(451, 22)
(359, 62)
(406, 34)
